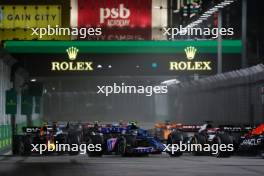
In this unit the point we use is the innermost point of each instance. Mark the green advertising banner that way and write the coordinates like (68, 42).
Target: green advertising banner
(11, 102)
(26, 104)
(122, 47)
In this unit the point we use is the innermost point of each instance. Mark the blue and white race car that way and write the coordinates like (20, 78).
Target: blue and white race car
(125, 141)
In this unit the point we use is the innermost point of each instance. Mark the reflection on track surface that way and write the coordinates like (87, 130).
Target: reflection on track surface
(132, 166)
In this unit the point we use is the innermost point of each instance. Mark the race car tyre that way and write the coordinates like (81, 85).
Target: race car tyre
(15, 145)
(236, 138)
(95, 140)
(131, 140)
(175, 138)
(219, 139)
(262, 153)
(126, 144)
(122, 146)
(73, 139)
(199, 139)
(24, 146)
(62, 139)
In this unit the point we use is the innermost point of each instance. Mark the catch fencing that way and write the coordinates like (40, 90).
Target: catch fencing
(235, 97)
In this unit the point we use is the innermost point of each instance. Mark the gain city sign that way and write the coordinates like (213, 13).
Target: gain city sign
(17, 20)
(27, 16)
(190, 65)
(71, 65)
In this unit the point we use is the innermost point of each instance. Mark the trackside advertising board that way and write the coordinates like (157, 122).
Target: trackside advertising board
(11, 102)
(125, 57)
(125, 19)
(17, 20)
(28, 16)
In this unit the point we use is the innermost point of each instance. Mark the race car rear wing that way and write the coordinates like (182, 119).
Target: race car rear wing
(226, 128)
(190, 128)
(107, 130)
(236, 129)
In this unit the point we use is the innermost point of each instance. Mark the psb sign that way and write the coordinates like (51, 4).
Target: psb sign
(24, 16)
(112, 13)
(120, 19)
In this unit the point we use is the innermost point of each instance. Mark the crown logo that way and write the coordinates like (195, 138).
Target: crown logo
(72, 52)
(190, 52)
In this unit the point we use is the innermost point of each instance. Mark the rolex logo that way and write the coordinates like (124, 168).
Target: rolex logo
(190, 65)
(72, 53)
(190, 52)
(72, 65)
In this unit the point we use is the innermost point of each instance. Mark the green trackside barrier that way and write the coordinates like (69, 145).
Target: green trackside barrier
(5, 137)
(9, 135)
(6, 133)
(1, 137)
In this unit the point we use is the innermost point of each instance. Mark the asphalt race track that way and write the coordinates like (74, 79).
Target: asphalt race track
(161, 165)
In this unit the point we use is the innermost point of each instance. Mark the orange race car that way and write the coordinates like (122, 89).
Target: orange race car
(163, 129)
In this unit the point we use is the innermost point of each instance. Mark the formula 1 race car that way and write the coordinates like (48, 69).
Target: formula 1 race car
(47, 134)
(252, 143)
(163, 129)
(125, 141)
(201, 137)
